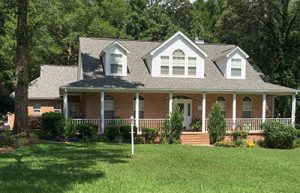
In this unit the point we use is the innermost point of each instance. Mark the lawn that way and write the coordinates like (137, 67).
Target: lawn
(77, 167)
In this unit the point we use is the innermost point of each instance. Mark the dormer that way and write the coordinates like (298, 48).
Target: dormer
(232, 63)
(114, 58)
(178, 57)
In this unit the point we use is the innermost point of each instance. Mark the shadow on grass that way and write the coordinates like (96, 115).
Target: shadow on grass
(55, 167)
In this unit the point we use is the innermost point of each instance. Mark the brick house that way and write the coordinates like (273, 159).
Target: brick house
(115, 79)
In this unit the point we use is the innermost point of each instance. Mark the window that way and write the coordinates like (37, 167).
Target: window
(141, 107)
(116, 63)
(247, 107)
(109, 106)
(192, 65)
(178, 62)
(57, 107)
(221, 100)
(36, 109)
(236, 67)
(74, 110)
(164, 62)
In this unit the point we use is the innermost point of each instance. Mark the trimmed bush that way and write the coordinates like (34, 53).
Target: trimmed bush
(125, 131)
(216, 124)
(111, 132)
(296, 143)
(150, 135)
(86, 131)
(278, 135)
(120, 133)
(35, 123)
(69, 129)
(52, 124)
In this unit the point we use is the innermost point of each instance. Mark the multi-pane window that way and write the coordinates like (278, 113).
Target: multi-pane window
(109, 106)
(221, 100)
(164, 65)
(192, 65)
(178, 59)
(116, 63)
(57, 107)
(36, 109)
(141, 106)
(236, 67)
(247, 107)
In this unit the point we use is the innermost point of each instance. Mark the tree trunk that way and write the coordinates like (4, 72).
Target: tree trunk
(21, 93)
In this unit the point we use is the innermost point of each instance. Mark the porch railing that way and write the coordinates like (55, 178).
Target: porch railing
(254, 123)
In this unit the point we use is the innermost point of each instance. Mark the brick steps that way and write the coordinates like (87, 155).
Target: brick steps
(194, 138)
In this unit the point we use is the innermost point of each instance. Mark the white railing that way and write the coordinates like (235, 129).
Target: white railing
(115, 122)
(254, 123)
(90, 121)
(152, 123)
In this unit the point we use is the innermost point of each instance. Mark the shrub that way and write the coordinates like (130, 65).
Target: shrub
(111, 132)
(86, 131)
(35, 123)
(6, 140)
(150, 134)
(38, 133)
(278, 135)
(250, 143)
(298, 133)
(125, 131)
(239, 137)
(140, 140)
(69, 129)
(216, 124)
(196, 124)
(173, 126)
(296, 143)
(225, 143)
(52, 124)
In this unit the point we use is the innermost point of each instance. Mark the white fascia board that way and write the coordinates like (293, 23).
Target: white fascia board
(238, 48)
(116, 43)
(176, 34)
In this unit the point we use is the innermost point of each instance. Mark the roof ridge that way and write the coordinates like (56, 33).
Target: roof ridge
(120, 39)
(57, 65)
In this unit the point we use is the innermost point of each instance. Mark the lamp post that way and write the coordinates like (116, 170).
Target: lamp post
(132, 134)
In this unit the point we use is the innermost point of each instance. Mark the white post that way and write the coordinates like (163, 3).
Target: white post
(170, 103)
(66, 110)
(137, 111)
(264, 105)
(233, 110)
(293, 109)
(132, 134)
(273, 106)
(102, 112)
(203, 111)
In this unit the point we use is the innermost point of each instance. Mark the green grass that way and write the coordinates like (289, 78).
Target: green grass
(76, 167)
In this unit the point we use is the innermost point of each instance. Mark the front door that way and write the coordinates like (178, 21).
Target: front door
(185, 105)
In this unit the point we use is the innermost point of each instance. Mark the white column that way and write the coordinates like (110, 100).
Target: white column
(137, 111)
(203, 111)
(170, 102)
(264, 105)
(234, 111)
(102, 112)
(66, 109)
(273, 106)
(293, 109)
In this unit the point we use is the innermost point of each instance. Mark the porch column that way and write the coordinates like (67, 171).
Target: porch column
(293, 108)
(137, 111)
(66, 109)
(233, 110)
(170, 103)
(264, 105)
(273, 106)
(102, 112)
(203, 111)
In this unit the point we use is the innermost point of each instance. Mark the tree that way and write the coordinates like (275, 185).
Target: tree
(216, 124)
(21, 93)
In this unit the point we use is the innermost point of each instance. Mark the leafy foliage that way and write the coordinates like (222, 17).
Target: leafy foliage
(216, 124)
(196, 124)
(52, 124)
(86, 131)
(120, 133)
(278, 135)
(150, 135)
(173, 126)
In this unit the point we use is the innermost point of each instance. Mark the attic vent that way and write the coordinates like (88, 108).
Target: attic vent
(198, 41)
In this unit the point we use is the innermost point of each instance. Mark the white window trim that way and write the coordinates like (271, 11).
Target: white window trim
(37, 111)
(251, 106)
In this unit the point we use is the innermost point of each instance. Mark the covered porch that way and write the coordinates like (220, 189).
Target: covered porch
(106, 108)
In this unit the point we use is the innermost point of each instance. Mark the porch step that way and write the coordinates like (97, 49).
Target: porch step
(194, 138)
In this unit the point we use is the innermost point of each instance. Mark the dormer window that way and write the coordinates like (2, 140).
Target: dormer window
(236, 67)
(116, 63)
(178, 62)
(164, 65)
(192, 61)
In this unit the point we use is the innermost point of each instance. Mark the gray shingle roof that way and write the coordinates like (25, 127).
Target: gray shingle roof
(140, 78)
(51, 78)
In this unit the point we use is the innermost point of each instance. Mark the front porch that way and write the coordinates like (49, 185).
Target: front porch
(150, 109)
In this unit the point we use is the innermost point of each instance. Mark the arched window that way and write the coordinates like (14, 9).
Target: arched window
(109, 107)
(221, 100)
(178, 58)
(141, 106)
(247, 107)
